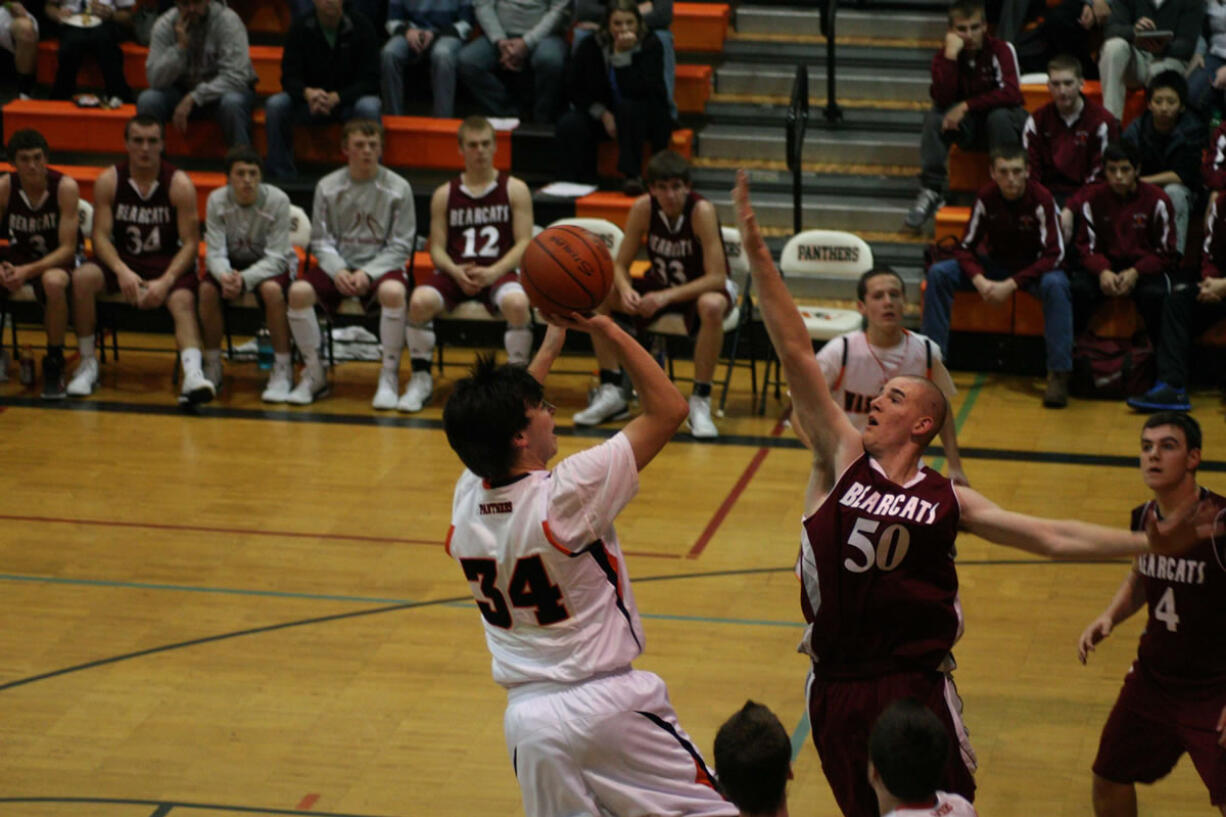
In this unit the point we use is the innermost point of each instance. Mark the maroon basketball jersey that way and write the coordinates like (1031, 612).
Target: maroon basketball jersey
(674, 251)
(879, 586)
(479, 228)
(33, 231)
(1184, 642)
(146, 228)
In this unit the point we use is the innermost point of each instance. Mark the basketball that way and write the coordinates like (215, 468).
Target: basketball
(566, 269)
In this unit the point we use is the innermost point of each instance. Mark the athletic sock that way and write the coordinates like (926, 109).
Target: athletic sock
(190, 358)
(613, 376)
(391, 336)
(212, 357)
(702, 389)
(518, 343)
(281, 360)
(55, 351)
(304, 326)
(420, 339)
(85, 343)
(420, 364)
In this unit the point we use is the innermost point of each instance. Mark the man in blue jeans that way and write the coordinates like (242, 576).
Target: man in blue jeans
(517, 35)
(329, 73)
(1013, 241)
(420, 30)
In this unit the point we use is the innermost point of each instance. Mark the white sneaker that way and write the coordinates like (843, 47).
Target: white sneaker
(607, 404)
(700, 423)
(197, 388)
(312, 386)
(385, 395)
(420, 387)
(84, 379)
(212, 373)
(279, 385)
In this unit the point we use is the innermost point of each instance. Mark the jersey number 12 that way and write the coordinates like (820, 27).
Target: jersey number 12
(529, 587)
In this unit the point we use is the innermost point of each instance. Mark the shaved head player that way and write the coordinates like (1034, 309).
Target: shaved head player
(879, 586)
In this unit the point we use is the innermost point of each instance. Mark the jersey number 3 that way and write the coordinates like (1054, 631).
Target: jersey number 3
(529, 587)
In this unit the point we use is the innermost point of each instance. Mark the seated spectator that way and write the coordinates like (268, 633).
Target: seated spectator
(976, 99)
(907, 751)
(1129, 58)
(329, 73)
(421, 30)
(688, 276)
(591, 14)
(1207, 79)
(1125, 239)
(1072, 27)
(363, 226)
(1170, 139)
(19, 36)
(1213, 169)
(753, 761)
(1065, 138)
(1188, 312)
(618, 93)
(247, 249)
(199, 65)
(146, 235)
(480, 225)
(101, 40)
(517, 35)
(1012, 242)
(39, 209)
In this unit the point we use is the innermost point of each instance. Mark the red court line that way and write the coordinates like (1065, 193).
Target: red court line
(306, 802)
(722, 511)
(114, 523)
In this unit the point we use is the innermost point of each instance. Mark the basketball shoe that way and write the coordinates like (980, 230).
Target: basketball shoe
(607, 404)
(699, 422)
(197, 388)
(312, 386)
(279, 385)
(84, 379)
(53, 378)
(386, 393)
(417, 392)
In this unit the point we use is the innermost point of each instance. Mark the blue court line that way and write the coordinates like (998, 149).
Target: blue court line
(187, 588)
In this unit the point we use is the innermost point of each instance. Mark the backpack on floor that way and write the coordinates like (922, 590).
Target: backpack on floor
(1112, 368)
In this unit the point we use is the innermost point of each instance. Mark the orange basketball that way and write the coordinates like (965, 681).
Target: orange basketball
(566, 269)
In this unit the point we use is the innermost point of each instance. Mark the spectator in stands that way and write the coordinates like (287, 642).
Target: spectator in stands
(1207, 79)
(907, 750)
(39, 211)
(975, 98)
(423, 30)
(657, 14)
(1134, 52)
(1013, 241)
(518, 35)
(19, 36)
(1213, 171)
(362, 231)
(753, 760)
(247, 249)
(81, 33)
(618, 92)
(1170, 139)
(1126, 240)
(1072, 27)
(1188, 312)
(199, 65)
(329, 73)
(146, 235)
(1065, 138)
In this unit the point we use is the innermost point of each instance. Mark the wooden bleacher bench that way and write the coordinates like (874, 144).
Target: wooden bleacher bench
(409, 141)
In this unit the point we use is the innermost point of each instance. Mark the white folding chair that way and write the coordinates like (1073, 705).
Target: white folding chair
(814, 255)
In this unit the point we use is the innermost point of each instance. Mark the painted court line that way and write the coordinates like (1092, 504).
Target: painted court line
(163, 807)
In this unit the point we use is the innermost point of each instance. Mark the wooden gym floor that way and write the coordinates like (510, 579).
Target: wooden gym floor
(249, 611)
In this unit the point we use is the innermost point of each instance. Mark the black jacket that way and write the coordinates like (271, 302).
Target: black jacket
(642, 79)
(351, 68)
(1179, 151)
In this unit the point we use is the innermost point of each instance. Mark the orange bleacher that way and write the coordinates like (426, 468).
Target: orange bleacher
(409, 141)
(682, 141)
(700, 26)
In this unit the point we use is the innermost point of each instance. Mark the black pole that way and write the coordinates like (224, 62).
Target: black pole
(797, 122)
(832, 110)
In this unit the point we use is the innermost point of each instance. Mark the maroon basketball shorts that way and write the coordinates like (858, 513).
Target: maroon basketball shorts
(18, 258)
(842, 714)
(688, 310)
(1151, 725)
(330, 297)
(453, 296)
(149, 270)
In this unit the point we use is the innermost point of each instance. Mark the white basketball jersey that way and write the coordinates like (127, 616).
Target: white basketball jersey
(869, 368)
(948, 805)
(545, 568)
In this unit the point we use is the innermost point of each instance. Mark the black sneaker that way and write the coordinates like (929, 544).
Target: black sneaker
(53, 378)
(1162, 397)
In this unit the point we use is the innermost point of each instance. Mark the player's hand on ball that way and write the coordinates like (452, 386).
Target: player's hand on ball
(1099, 629)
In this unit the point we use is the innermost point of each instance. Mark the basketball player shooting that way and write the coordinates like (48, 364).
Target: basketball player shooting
(879, 585)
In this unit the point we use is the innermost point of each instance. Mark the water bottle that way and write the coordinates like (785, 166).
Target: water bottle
(263, 349)
(27, 366)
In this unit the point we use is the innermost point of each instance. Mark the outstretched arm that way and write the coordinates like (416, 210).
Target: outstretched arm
(820, 420)
(1126, 601)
